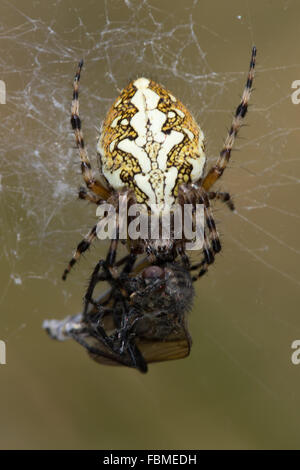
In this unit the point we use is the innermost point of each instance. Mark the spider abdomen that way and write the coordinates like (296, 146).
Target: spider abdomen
(151, 143)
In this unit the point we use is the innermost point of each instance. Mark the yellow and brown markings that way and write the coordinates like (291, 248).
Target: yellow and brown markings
(121, 166)
(116, 125)
(179, 119)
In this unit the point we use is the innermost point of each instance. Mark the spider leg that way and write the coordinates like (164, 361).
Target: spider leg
(127, 343)
(81, 248)
(209, 252)
(87, 196)
(126, 337)
(106, 275)
(210, 223)
(203, 264)
(130, 260)
(137, 357)
(91, 182)
(85, 244)
(193, 194)
(184, 256)
(111, 353)
(217, 170)
(211, 246)
(223, 197)
(209, 256)
(116, 292)
(122, 342)
(95, 277)
(203, 270)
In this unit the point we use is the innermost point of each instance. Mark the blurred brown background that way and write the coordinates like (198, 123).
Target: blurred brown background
(238, 388)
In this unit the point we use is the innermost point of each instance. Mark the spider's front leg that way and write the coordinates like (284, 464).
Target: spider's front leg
(81, 248)
(92, 234)
(217, 170)
(91, 182)
(122, 342)
(106, 270)
(103, 271)
(127, 337)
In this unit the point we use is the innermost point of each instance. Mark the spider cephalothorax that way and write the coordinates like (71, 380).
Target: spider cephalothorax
(152, 150)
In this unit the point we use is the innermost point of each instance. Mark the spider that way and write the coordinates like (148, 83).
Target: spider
(151, 151)
(142, 319)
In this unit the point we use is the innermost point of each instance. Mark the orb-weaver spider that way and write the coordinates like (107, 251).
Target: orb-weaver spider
(152, 151)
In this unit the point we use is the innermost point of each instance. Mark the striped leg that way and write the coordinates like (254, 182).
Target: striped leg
(85, 244)
(204, 268)
(207, 259)
(217, 170)
(87, 196)
(212, 247)
(224, 197)
(209, 221)
(81, 248)
(92, 183)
